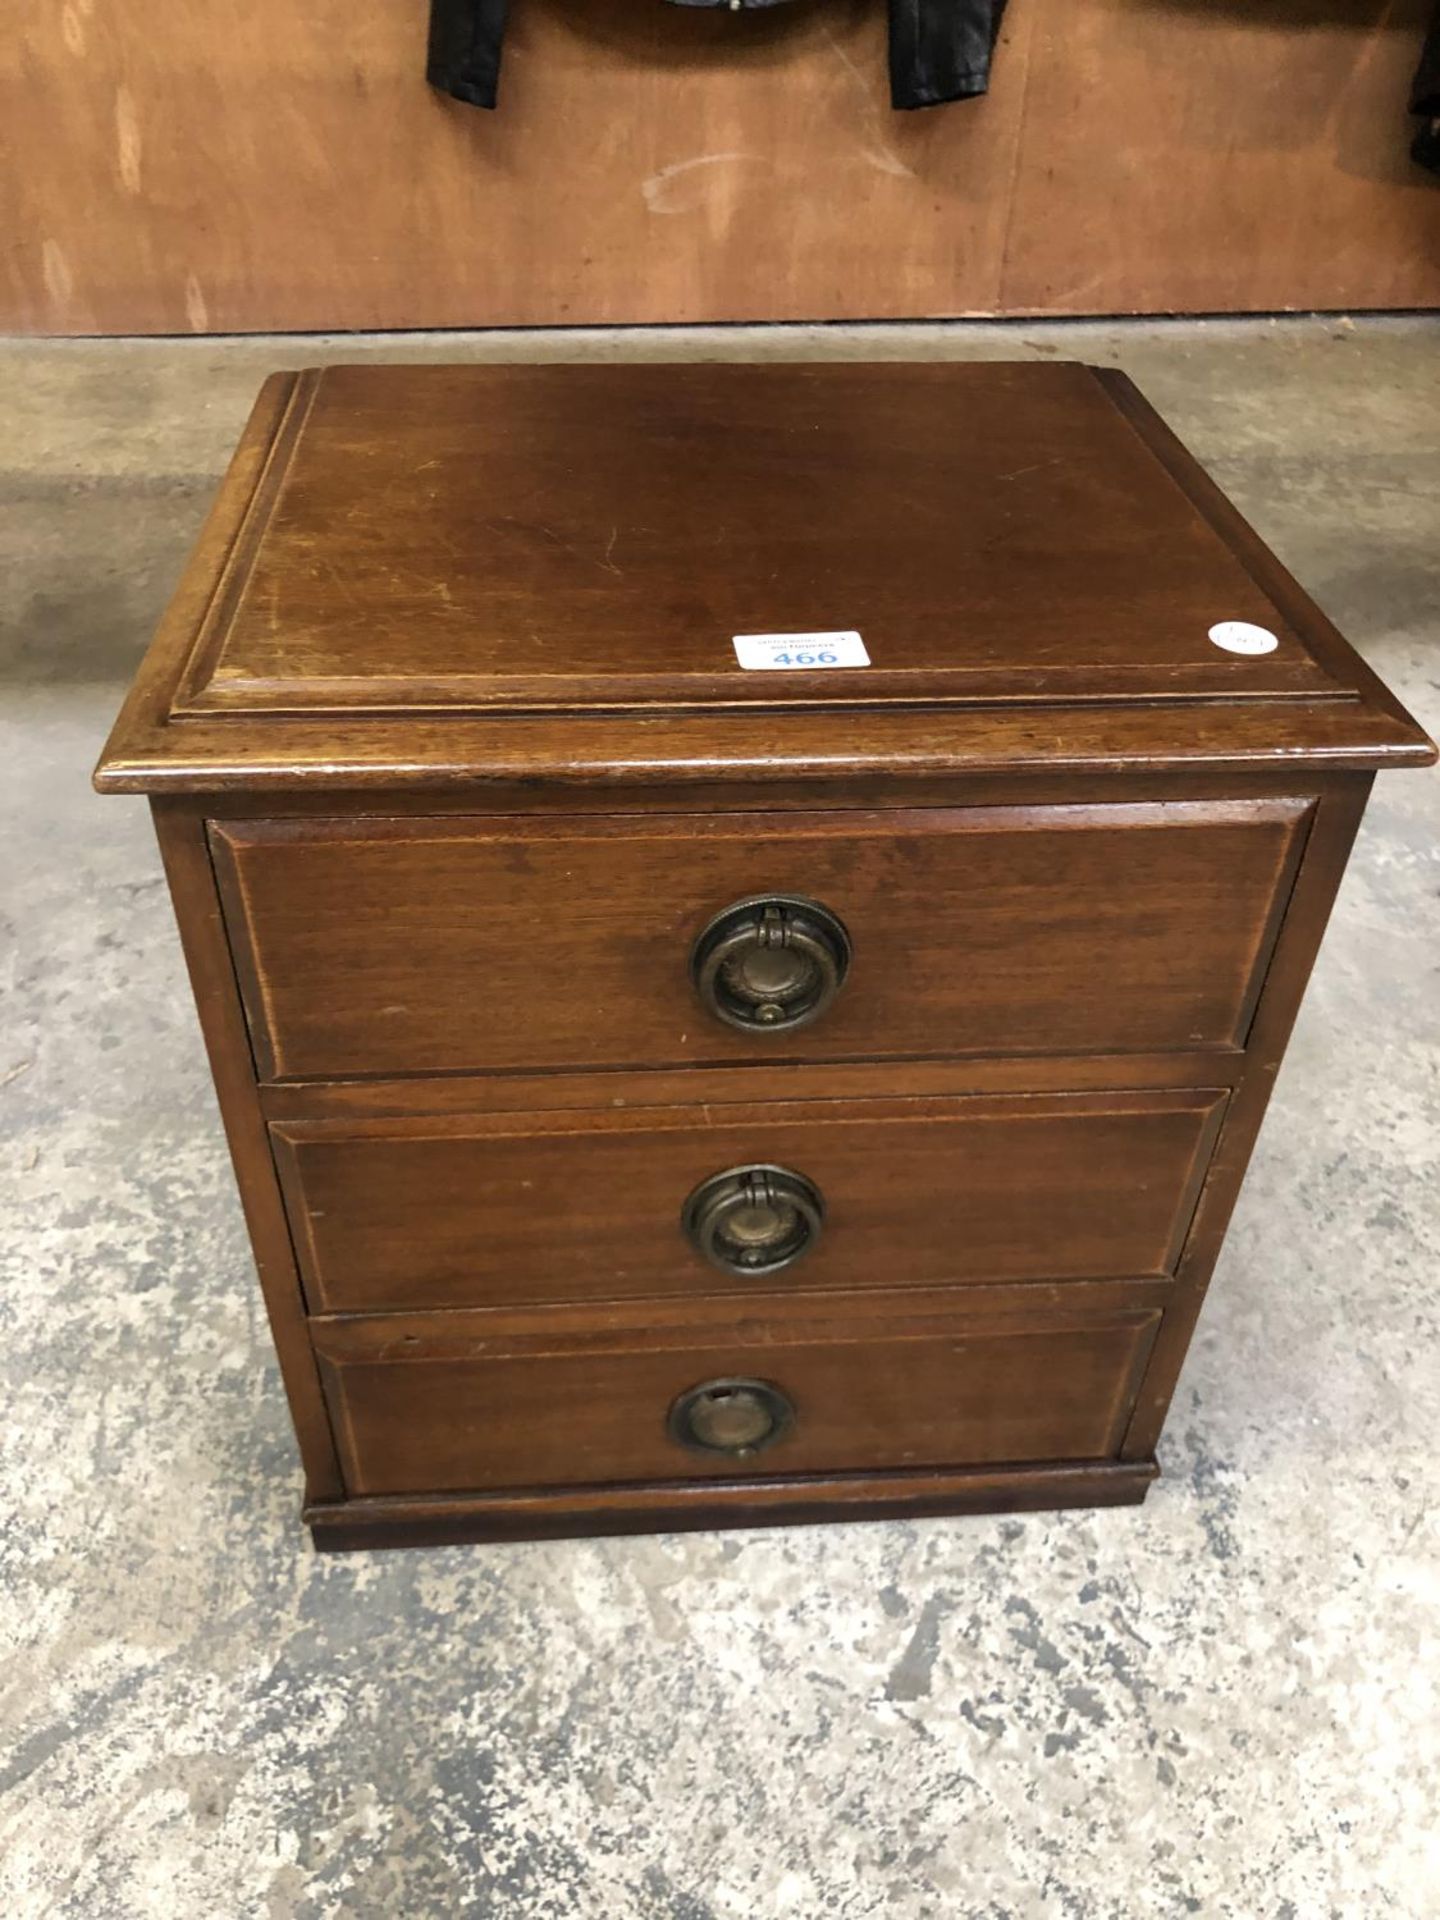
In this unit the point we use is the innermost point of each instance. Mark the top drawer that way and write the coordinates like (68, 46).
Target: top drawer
(426, 945)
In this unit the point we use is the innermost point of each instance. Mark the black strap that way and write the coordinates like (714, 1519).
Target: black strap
(1425, 99)
(465, 41)
(940, 49)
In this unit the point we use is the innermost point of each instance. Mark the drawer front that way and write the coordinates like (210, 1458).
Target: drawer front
(509, 1209)
(421, 1407)
(420, 945)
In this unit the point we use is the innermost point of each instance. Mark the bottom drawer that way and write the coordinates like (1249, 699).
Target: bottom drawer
(450, 1402)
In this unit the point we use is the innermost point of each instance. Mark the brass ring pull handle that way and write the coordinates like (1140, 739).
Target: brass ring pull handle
(754, 1220)
(734, 1417)
(771, 962)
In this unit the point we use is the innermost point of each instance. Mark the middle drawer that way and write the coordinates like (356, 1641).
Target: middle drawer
(505, 1209)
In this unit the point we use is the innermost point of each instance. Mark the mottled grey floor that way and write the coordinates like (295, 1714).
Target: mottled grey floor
(1223, 1703)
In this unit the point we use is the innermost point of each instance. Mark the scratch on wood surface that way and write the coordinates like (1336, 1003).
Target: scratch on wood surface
(1039, 466)
(660, 190)
(565, 546)
(874, 149)
(55, 268)
(196, 312)
(127, 139)
(1071, 297)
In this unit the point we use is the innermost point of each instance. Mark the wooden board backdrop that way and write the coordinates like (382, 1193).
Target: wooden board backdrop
(197, 165)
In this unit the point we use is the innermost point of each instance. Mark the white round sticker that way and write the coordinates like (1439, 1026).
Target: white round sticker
(1238, 636)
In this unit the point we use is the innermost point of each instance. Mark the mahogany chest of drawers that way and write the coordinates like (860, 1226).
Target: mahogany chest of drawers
(744, 920)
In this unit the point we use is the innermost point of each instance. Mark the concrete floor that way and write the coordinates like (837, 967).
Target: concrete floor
(1223, 1703)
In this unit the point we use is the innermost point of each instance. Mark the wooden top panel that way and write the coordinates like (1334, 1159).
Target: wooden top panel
(402, 552)
(521, 537)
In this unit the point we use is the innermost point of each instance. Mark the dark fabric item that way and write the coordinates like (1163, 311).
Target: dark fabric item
(1425, 99)
(939, 49)
(465, 41)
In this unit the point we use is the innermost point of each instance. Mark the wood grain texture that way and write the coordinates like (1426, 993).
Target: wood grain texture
(1029, 1108)
(824, 754)
(286, 167)
(1313, 896)
(502, 539)
(1011, 538)
(471, 1212)
(414, 946)
(1324, 642)
(460, 1096)
(454, 1401)
(779, 792)
(181, 834)
(1200, 156)
(674, 1506)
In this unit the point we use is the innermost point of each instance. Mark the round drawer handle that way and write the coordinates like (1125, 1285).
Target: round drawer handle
(734, 1417)
(772, 962)
(754, 1220)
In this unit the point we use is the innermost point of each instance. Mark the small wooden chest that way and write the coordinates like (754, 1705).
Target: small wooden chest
(675, 1082)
